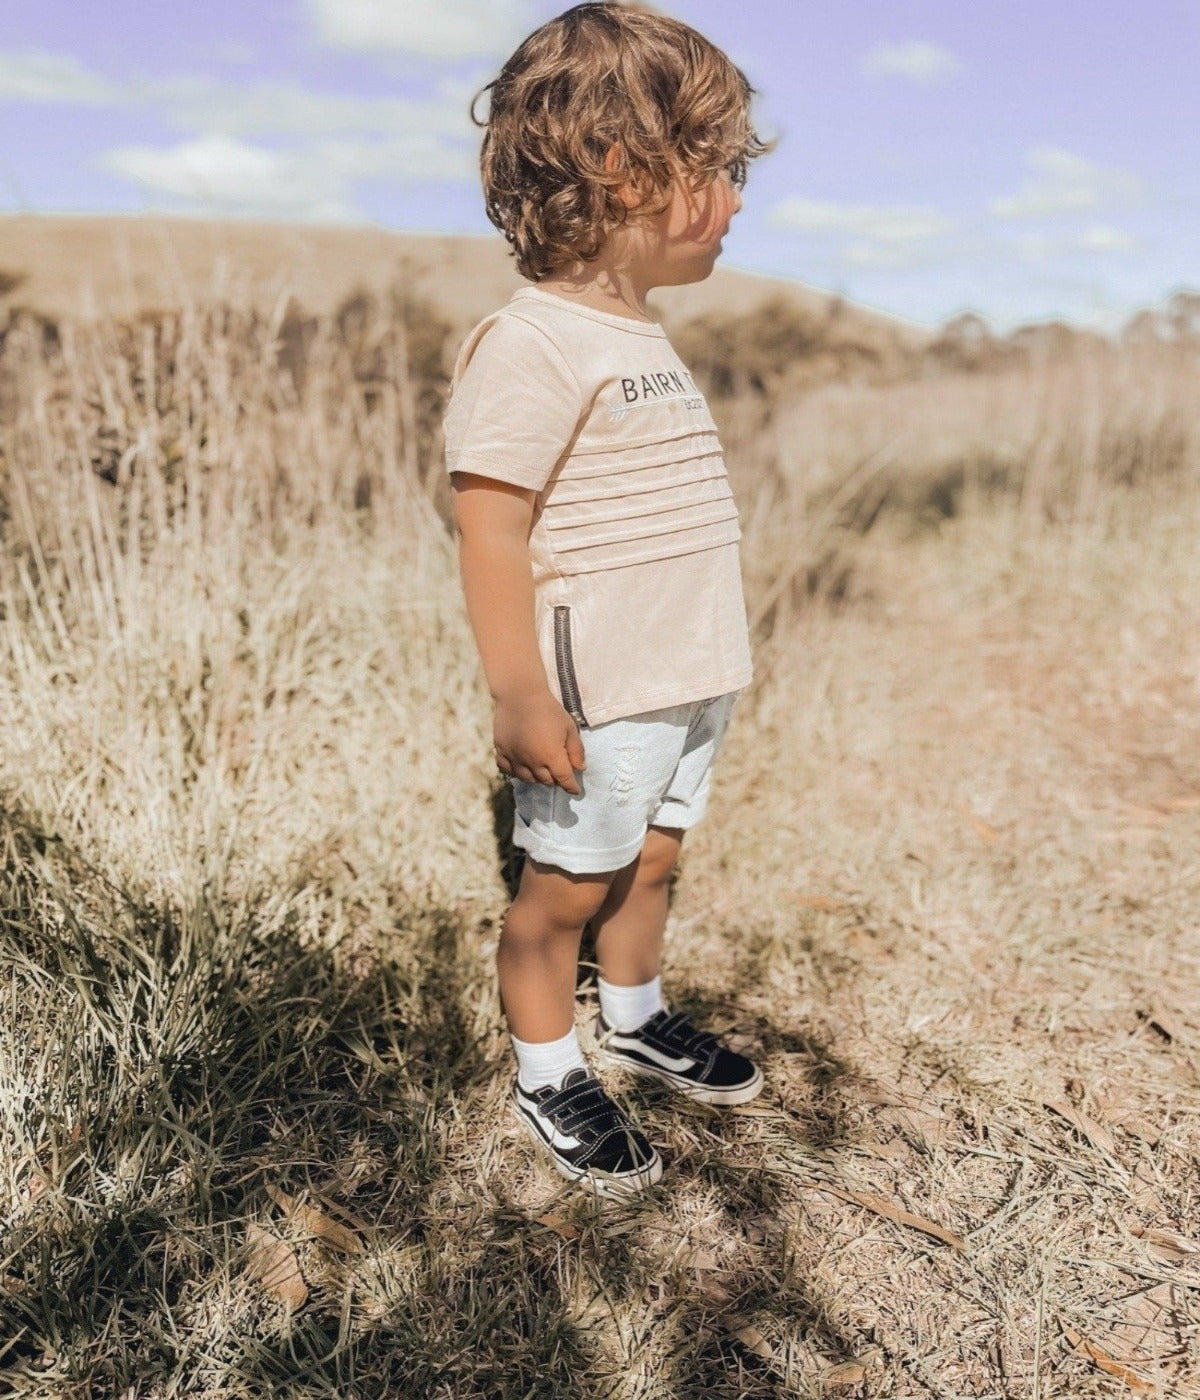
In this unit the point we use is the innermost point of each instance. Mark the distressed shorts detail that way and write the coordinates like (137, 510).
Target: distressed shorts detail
(652, 769)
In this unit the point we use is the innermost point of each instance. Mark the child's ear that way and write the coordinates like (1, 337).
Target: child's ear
(614, 160)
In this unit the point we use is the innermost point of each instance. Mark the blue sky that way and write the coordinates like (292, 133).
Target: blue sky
(1024, 159)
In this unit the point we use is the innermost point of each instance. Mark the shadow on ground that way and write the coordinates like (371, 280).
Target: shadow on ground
(175, 1070)
(172, 1068)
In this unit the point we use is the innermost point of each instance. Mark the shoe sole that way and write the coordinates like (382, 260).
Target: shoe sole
(605, 1183)
(702, 1093)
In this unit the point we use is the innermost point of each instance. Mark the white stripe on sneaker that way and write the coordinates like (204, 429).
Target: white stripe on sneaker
(642, 1048)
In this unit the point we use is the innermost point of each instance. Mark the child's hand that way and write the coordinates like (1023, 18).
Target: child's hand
(538, 741)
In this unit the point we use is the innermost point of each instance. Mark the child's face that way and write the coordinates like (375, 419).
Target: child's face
(682, 243)
(696, 221)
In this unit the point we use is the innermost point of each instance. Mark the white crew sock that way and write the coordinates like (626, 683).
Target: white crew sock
(546, 1061)
(627, 1007)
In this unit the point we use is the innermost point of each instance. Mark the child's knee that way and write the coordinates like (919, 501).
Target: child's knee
(659, 856)
(553, 906)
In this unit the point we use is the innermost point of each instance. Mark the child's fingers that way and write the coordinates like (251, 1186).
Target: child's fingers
(564, 775)
(565, 778)
(575, 753)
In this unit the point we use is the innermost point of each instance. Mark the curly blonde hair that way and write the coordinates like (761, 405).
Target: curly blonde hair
(603, 72)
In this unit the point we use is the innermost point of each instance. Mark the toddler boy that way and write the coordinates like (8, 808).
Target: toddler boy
(598, 545)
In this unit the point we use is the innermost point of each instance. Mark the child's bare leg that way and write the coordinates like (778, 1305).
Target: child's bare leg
(538, 956)
(630, 922)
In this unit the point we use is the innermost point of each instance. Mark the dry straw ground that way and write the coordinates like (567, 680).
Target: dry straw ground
(254, 1131)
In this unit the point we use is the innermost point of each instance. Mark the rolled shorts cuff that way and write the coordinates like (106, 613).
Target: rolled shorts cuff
(680, 815)
(571, 858)
(676, 815)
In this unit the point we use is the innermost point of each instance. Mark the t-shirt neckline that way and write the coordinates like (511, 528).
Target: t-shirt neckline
(610, 318)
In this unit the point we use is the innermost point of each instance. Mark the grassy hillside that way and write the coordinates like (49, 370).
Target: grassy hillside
(254, 1127)
(123, 265)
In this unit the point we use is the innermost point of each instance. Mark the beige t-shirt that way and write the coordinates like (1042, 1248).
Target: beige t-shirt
(634, 541)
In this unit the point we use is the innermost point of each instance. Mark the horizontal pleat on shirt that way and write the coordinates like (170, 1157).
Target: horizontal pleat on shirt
(624, 509)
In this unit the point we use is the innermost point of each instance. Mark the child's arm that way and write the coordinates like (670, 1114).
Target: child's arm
(534, 736)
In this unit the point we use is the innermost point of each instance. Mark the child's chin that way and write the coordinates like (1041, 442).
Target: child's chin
(693, 272)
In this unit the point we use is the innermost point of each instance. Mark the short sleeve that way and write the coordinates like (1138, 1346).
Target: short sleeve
(514, 407)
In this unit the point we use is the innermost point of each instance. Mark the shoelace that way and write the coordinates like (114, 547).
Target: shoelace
(677, 1031)
(584, 1110)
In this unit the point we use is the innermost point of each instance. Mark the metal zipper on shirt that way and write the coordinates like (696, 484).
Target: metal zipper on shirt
(565, 663)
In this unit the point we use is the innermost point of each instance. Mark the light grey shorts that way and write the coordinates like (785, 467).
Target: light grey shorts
(642, 770)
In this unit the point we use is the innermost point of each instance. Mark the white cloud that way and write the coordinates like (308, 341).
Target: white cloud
(888, 224)
(227, 175)
(1064, 183)
(919, 60)
(447, 29)
(888, 256)
(210, 105)
(345, 137)
(1104, 238)
(222, 174)
(413, 156)
(1099, 238)
(37, 76)
(882, 237)
(267, 109)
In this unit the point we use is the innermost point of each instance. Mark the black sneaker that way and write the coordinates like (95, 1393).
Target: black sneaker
(587, 1134)
(669, 1047)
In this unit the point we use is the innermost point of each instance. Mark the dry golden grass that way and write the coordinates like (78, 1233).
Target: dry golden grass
(254, 1129)
(88, 266)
